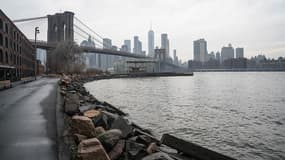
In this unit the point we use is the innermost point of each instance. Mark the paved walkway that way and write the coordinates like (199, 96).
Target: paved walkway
(27, 121)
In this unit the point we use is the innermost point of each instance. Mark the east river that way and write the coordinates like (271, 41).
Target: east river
(240, 114)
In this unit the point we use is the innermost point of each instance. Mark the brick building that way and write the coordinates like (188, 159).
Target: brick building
(16, 52)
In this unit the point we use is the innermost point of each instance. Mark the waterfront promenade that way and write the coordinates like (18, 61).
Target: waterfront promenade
(28, 121)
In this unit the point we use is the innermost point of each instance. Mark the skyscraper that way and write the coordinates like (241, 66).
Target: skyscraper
(239, 53)
(175, 58)
(90, 59)
(227, 53)
(218, 57)
(200, 50)
(128, 44)
(105, 59)
(107, 43)
(165, 43)
(150, 43)
(137, 45)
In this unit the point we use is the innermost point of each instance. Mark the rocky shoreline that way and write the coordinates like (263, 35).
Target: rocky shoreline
(98, 130)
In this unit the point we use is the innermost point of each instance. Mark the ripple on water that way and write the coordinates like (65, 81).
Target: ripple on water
(239, 114)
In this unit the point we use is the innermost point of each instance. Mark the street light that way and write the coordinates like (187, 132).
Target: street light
(36, 32)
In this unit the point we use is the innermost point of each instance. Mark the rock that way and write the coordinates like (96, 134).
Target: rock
(83, 125)
(144, 139)
(152, 148)
(105, 119)
(139, 132)
(91, 149)
(71, 104)
(110, 138)
(78, 138)
(134, 149)
(99, 130)
(123, 125)
(85, 108)
(158, 156)
(91, 113)
(117, 150)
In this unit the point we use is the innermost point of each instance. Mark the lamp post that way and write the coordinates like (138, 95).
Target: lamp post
(36, 32)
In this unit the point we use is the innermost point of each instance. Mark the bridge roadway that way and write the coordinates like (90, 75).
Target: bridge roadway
(28, 121)
(47, 46)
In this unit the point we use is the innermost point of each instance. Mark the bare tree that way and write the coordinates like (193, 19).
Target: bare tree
(67, 58)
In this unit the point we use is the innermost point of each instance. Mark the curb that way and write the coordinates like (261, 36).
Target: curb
(62, 148)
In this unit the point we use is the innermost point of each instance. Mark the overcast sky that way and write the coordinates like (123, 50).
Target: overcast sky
(256, 25)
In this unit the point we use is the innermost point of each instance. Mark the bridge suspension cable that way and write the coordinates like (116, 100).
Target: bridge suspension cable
(97, 35)
(88, 27)
(29, 19)
(80, 29)
(84, 37)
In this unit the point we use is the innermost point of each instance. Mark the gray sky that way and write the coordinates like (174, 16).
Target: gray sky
(256, 25)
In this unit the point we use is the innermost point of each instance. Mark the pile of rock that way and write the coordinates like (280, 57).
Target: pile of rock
(98, 130)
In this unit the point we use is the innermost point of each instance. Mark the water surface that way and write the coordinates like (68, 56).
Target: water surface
(241, 114)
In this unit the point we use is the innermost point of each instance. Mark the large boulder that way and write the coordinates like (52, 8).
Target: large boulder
(110, 138)
(105, 119)
(117, 150)
(123, 125)
(71, 104)
(78, 138)
(135, 150)
(91, 149)
(84, 126)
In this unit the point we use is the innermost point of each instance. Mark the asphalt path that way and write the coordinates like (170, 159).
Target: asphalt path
(28, 121)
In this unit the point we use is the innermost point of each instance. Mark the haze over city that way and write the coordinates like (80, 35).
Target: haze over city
(256, 25)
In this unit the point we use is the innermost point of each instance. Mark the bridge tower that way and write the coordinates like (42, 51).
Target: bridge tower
(60, 27)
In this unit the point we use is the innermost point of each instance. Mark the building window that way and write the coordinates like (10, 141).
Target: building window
(6, 28)
(1, 39)
(1, 24)
(11, 58)
(1, 56)
(6, 42)
(7, 57)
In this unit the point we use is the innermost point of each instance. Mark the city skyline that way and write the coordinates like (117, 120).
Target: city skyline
(228, 25)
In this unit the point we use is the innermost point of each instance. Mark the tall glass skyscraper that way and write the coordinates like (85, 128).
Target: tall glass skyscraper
(150, 43)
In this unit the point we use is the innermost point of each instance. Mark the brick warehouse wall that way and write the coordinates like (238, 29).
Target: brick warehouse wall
(16, 51)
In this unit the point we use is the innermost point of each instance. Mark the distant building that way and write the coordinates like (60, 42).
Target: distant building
(200, 50)
(239, 53)
(90, 58)
(165, 43)
(128, 44)
(17, 58)
(137, 45)
(104, 60)
(107, 43)
(150, 43)
(160, 54)
(218, 57)
(175, 58)
(211, 56)
(124, 48)
(227, 53)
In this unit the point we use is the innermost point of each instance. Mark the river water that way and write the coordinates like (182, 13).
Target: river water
(241, 114)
